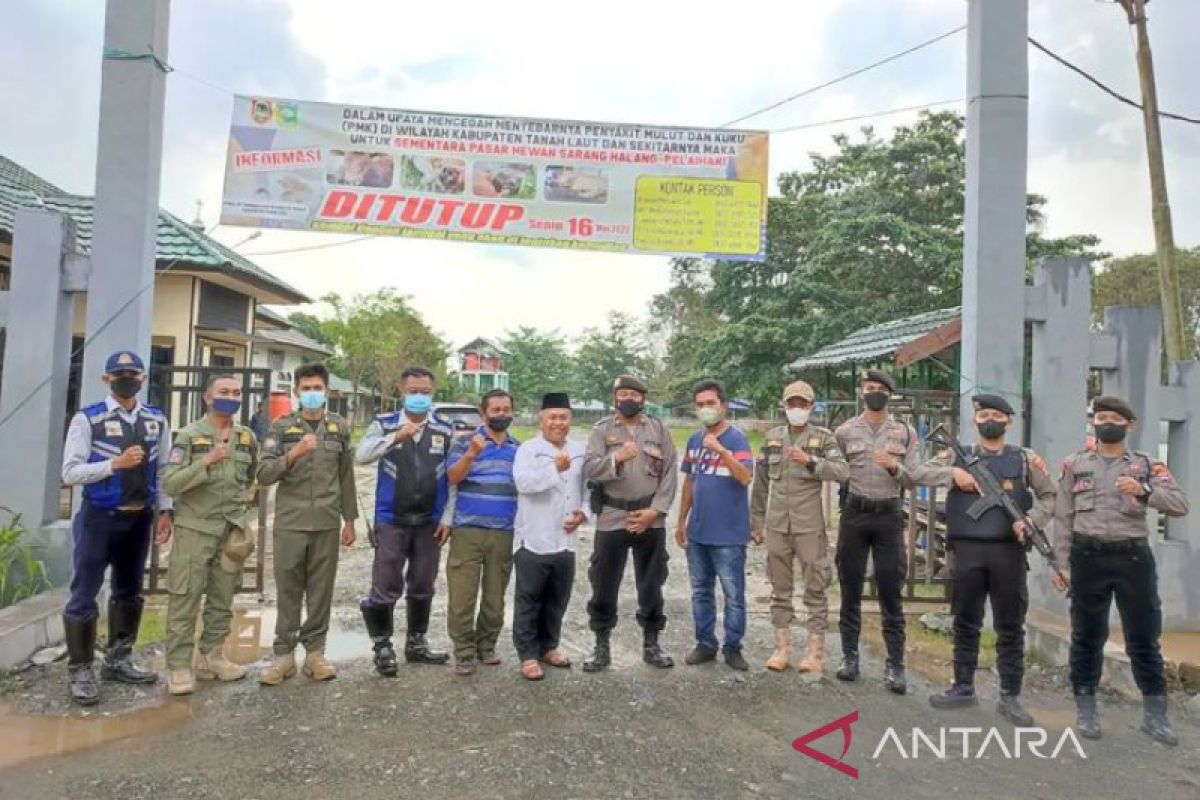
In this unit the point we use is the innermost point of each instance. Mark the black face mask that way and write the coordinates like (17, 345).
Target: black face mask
(126, 387)
(630, 408)
(992, 429)
(876, 401)
(499, 424)
(1111, 432)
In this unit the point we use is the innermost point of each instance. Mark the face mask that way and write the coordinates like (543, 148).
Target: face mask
(630, 408)
(499, 424)
(798, 416)
(708, 416)
(876, 401)
(126, 387)
(418, 403)
(312, 400)
(226, 405)
(1110, 432)
(992, 429)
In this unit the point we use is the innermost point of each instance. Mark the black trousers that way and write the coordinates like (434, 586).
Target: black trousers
(540, 598)
(1126, 571)
(607, 569)
(880, 535)
(406, 556)
(113, 540)
(990, 571)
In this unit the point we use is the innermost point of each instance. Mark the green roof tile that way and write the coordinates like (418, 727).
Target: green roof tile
(875, 341)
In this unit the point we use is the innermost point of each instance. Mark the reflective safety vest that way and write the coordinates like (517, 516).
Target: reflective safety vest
(111, 436)
(411, 486)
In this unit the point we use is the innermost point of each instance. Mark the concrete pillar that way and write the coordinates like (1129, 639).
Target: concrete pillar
(1137, 376)
(36, 365)
(128, 165)
(1178, 556)
(994, 237)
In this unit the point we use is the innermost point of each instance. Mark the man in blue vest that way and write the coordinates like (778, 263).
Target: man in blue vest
(989, 557)
(410, 495)
(113, 451)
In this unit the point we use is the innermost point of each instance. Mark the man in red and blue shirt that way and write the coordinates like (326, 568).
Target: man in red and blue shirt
(714, 524)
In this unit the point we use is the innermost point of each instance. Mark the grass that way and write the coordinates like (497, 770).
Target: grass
(941, 645)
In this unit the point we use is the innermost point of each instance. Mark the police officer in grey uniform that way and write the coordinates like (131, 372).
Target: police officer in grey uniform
(1101, 533)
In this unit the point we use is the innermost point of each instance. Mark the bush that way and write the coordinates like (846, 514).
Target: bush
(22, 574)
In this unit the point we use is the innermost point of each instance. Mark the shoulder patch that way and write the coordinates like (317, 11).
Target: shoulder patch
(246, 438)
(332, 427)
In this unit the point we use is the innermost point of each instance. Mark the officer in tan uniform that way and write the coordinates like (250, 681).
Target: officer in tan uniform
(1101, 533)
(883, 455)
(210, 475)
(786, 510)
(631, 462)
(308, 454)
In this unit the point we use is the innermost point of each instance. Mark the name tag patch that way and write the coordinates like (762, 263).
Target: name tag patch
(437, 444)
(113, 428)
(152, 428)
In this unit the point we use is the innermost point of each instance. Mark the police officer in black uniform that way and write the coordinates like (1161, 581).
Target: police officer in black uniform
(989, 557)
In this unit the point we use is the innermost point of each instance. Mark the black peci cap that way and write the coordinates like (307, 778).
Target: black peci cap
(556, 400)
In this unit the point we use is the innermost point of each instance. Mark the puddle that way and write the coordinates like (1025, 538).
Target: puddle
(24, 737)
(253, 632)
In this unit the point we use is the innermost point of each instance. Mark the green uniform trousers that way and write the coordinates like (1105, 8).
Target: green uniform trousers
(812, 551)
(477, 571)
(305, 570)
(195, 574)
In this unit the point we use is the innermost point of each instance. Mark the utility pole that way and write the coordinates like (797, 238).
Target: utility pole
(1177, 340)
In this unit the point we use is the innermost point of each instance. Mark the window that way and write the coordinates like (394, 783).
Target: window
(275, 360)
(222, 309)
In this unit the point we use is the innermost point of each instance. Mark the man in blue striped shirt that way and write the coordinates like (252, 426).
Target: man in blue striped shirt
(481, 547)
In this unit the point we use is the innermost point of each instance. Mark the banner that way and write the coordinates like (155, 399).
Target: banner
(496, 180)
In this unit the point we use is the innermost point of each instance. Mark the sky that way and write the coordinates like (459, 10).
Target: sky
(696, 63)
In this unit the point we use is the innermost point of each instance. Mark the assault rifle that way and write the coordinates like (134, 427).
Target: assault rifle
(991, 495)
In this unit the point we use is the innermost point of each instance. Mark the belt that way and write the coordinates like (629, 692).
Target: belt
(131, 509)
(1090, 544)
(628, 505)
(866, 504)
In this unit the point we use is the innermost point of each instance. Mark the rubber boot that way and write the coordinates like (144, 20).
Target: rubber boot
(416, 647)
(282, 668)
(814, 654)
(214, 666)
(652, 654)
(81, 653)
(378, 620)
(124, 619)
(601, 657)
(1087, 714)
(1155, 722)
(316, 668)
(781, 656)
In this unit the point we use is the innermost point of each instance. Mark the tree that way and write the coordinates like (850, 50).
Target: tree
(538, 362)
(605, 353)
(1133, 281)
(312, 327)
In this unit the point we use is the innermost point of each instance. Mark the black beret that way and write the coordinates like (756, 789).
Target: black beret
(879, 376)
(994, 401)
(556, 400)
(1115, 404)
(630, 382)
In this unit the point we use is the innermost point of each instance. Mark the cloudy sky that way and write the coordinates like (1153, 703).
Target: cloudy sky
(668, 62)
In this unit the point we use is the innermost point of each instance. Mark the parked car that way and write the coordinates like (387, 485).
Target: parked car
(463, 419)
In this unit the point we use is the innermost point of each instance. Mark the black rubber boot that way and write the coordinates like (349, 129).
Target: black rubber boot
(848, 671)
(378, 620)
(893, 678)
(652, 654)
(1087, 714)
(416, 647)
(81, 652)
(124, 618)
(601, 657)
(1009, 706)
(1155, 722)
(959, 695)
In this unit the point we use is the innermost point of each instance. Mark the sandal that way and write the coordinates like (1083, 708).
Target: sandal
(531, 670)
(556, 659)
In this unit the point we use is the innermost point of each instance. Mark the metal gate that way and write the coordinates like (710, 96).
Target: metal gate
(178, 391)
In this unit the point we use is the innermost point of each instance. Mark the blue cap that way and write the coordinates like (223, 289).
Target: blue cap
(124, 361)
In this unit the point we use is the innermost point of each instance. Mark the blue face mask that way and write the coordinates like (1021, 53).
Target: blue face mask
(418, 403)
(226, 405)
(312, 399)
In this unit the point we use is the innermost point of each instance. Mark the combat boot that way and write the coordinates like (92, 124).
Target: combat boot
(1155, 722)
(416, 646)
(81, 653)
(652, 654)
(124, 619)
(959, 695)
(180, 682)
(1009, 706)
(214, 666)
(378, 620)
(601, 657)
(781, 656)
(814, 654)
(848, 671)
(1087, 715)
(282, 668)
(316, 668)
(894, 679)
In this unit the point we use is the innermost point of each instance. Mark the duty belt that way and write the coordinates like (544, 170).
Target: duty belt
(628, 505)
(1090, 544)
(865, 504)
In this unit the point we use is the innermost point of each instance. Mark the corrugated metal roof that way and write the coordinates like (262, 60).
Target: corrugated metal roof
(875, 341)
(178, 243)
